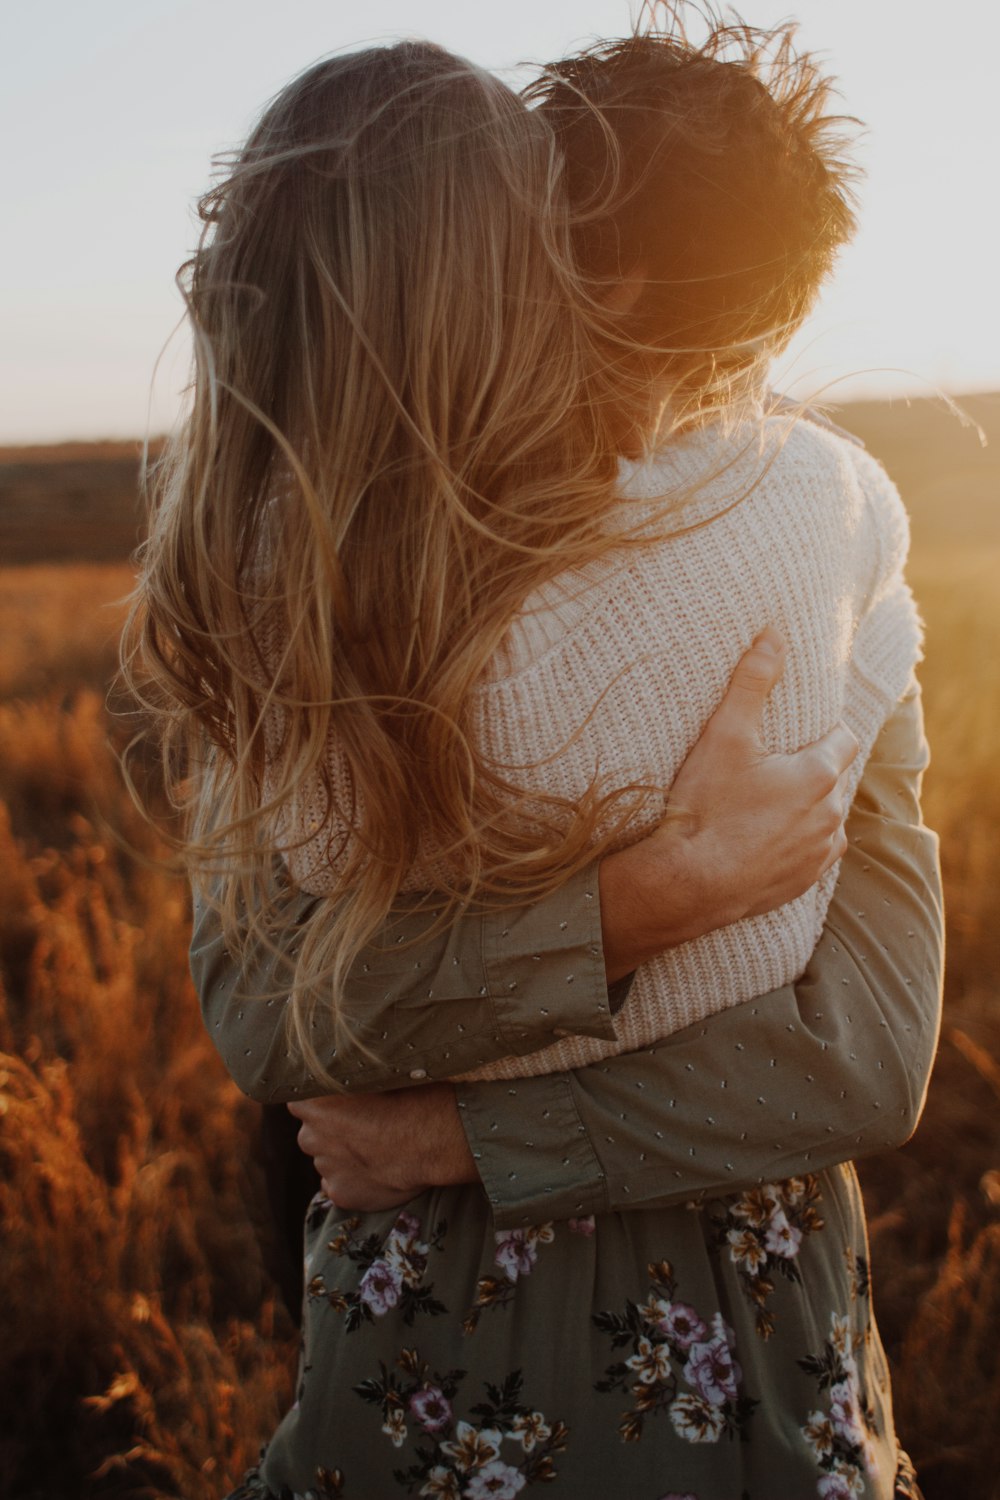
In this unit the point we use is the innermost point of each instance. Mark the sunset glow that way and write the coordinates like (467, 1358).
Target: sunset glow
(116, 110)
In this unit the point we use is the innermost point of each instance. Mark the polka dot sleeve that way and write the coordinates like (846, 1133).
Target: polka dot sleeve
(426, 1006)
(832, 1067)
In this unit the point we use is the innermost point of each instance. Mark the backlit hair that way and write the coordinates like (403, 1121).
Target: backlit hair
(713, 167)
(394, 436)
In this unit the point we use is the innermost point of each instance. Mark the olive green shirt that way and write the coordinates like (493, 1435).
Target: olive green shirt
(829, 1068)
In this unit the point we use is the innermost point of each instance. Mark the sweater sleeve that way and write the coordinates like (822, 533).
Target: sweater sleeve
(832, 1067)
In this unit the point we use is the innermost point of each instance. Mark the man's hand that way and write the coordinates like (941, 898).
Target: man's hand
(376, 1151)
(745, 831)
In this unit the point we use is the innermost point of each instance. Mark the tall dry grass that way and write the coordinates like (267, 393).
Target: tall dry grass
(935, 1206)
(143, 1353)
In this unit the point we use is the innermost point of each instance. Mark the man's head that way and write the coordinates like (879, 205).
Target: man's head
(708, 177)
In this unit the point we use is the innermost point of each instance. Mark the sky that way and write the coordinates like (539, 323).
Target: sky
(110, 112)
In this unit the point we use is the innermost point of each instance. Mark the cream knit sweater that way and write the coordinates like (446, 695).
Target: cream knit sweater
(651, 635)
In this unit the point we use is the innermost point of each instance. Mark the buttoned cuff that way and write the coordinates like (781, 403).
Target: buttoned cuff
(544, 966)
(531, 1150)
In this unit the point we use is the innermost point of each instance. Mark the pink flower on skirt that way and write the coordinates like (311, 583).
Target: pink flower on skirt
(713, 1372)
(583, 1226)
(379, 1287)
(516, 1253)
(431, 1408)
(495, 1481)
(682, 1325)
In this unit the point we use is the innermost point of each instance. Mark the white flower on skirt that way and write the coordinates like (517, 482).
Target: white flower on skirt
(696, 1421)
(495, 1481)
(473, 1447)
(394, 1427)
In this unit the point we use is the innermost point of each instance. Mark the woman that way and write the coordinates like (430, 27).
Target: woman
(467, 1458)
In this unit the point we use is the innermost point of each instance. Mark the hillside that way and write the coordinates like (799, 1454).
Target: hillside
(78, 502)
(73, 502)
(948, 477)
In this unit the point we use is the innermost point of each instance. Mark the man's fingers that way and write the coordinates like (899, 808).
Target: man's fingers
(838, 848)
(841, 746)
(756, 674)
(316, 1118)
(826, 763)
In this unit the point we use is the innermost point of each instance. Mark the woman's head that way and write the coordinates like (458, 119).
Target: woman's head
(710, 174)
(376, 289)
(394, 436)
(390, 404)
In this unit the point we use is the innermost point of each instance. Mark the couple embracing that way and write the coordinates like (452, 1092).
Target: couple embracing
(539, 691)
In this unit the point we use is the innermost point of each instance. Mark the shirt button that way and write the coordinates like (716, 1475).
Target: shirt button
(418, 1072)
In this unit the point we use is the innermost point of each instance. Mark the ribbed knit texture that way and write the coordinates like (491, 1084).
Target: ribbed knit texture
(614, 671)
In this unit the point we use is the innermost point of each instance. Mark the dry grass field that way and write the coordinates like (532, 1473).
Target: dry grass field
(144, 1350)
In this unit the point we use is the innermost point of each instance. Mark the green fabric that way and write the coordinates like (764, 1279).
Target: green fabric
(687, 1312)
(722, 1353)
(852, 1042)
(835, 1066)
(430, 1005)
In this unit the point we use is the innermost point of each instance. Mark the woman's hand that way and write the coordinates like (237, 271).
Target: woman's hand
(745, 832)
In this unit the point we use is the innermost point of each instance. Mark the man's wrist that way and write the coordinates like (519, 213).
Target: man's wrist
(529, 951)
(657, 894)
(634, 909)
(437, 1127)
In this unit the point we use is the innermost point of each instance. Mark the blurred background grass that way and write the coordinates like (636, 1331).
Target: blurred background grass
(145, 1352)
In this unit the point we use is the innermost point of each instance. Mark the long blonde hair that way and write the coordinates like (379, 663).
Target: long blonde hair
(396, 432)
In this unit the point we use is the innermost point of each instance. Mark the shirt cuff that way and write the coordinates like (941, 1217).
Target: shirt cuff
(544, 966)
(534, 1123)
(619, 991)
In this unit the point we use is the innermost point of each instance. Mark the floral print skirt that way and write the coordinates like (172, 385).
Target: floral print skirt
(724, 1351)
